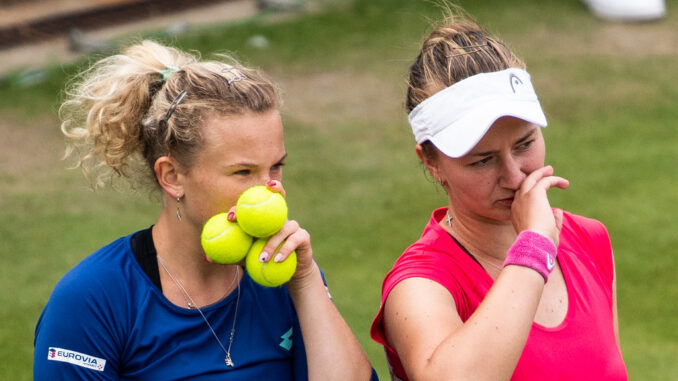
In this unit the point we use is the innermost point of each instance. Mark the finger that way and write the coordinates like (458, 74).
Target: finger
(291, 243)
(534, 177)
(552, 182)
(271, 247)
(276, 186)
(231, 214)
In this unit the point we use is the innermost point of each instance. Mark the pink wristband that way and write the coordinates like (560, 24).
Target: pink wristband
(533, 250)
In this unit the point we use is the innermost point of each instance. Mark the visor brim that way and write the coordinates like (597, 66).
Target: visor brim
(457, 139)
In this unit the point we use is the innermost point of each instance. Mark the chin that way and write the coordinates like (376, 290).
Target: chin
(501, 215)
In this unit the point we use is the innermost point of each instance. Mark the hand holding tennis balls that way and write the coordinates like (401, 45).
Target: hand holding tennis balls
(261, 213)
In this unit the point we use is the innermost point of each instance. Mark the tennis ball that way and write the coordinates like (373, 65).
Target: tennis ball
(224, 241)
(261, 213)
(269, 274)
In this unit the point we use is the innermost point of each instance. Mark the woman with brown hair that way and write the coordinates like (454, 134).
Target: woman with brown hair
(500, 285)
(149, 306)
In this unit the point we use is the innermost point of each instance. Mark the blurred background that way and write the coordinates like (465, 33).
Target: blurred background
(352, 177)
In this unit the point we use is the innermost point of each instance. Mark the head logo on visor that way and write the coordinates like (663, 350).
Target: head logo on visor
(457, 117)
(515, 81)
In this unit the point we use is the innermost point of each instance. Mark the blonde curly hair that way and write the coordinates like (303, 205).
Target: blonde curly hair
(117, 114)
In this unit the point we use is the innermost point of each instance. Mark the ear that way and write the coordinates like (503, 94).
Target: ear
(167, 172)
(429, 162)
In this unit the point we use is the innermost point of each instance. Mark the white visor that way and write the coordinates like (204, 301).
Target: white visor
(457, 117)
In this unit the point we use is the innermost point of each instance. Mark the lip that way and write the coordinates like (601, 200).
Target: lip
(506, 201)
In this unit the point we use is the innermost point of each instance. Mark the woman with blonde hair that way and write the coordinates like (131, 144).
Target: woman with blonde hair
(499, 285)
(149, 305)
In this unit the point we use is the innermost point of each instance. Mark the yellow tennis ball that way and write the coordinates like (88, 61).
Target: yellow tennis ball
(269, 274)
(224, 241)
(260, 212)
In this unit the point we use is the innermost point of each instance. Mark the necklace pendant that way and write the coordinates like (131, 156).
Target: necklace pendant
(228, 360)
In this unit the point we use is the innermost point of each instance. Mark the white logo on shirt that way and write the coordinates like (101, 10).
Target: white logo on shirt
(550, 262)
(76, 358)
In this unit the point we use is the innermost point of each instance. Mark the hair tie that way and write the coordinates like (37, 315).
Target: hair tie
(169, 69)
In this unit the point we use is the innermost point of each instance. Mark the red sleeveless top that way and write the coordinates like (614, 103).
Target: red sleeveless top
(582, 347)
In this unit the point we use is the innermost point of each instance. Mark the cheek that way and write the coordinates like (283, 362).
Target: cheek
(471, 187)
(228, 195)
(536, 159)
(211, 205)
(211, 195)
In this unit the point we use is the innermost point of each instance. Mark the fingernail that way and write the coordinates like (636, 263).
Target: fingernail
(271, 183)
(231, 216)
(278, 258)
(263, 256)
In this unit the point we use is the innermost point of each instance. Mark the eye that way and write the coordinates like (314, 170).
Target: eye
(242, 172)
(277, 166)
(481, 162)
(525, 145)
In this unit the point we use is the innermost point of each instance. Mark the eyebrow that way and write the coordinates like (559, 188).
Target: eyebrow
(519, 141)
(250, 165)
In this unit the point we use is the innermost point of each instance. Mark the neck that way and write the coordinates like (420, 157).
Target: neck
(484, 238)
(178, 244)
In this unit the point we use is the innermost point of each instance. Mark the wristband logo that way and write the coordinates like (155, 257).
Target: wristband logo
(550, 262)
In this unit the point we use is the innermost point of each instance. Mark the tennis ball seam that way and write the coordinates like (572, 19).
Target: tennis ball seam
(263, 273)
(221, 234)
(272, 196)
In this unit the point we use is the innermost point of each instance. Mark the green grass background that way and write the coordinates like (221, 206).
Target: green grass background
(352, 177)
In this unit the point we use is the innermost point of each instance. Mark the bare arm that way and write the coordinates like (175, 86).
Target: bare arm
(423, 326)
(332, 351)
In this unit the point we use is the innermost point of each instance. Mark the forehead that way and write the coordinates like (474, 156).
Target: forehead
(242, 136)
(506, 130)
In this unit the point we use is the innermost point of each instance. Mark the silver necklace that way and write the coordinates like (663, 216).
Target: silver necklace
(192, 305)
(448, 219)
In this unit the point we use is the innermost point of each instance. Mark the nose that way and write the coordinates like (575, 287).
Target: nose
(511, 173)
(267, 178)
